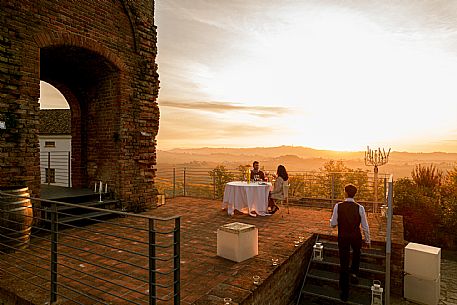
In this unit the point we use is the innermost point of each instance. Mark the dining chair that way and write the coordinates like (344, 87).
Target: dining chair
(285, 200)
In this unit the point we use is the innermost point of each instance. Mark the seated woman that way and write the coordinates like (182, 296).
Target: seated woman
(277, 192)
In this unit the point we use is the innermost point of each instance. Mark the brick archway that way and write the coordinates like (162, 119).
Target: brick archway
(102, 59)
(92, 91)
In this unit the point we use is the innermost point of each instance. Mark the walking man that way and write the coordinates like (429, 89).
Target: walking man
(348, 216)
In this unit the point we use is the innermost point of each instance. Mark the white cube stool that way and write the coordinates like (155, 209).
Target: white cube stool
(422, 291)
(423, 261)
(237, 241)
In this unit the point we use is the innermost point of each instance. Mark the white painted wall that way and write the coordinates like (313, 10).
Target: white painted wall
(59, 158)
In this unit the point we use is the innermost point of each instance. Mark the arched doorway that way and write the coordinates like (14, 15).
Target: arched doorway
(91, 86)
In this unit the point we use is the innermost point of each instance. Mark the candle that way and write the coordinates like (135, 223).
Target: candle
(95, 189)
(106, 187)
(101, 186)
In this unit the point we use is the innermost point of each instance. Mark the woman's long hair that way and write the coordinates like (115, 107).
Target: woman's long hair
(281, 172)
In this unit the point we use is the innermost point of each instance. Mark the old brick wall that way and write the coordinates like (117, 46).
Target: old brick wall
(101, 56)
(284, 285)
(278, 287)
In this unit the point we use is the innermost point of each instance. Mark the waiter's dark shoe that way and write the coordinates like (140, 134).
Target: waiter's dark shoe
(344, 296)
(354, 279)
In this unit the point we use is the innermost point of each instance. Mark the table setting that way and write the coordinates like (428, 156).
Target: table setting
(249, 197)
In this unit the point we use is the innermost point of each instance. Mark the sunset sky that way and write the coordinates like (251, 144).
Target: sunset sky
(326, 74)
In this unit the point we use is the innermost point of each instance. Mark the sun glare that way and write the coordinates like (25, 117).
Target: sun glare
(339, 74)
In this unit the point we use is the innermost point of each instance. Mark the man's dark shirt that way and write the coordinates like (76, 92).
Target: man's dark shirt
(260, 173)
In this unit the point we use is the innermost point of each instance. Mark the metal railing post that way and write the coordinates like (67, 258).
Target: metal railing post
(69, 169)
(390, 208)
(184, 182)
(214, 186)
(385, 191)
(176, 260)
(152, 263)
(333, 188)
(174, 182)
(54, 239)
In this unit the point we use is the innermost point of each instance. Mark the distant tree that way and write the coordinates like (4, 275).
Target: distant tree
(334, 166)
(449, 219)
(359, 178)
(449, 207)
(450, 180)
(427, 177)
(333, 178)
(220, 176)
(296, 185)
(337, 175)
(420, 210)
(242, 169)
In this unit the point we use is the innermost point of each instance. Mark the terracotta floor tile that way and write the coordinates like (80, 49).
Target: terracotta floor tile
(201, 269)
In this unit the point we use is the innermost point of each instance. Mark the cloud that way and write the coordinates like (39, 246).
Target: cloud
(261, 111)
(182, 127)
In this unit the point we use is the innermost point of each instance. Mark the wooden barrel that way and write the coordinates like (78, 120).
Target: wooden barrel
(16, 217)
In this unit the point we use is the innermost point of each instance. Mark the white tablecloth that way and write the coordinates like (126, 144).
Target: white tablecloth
(246, 197)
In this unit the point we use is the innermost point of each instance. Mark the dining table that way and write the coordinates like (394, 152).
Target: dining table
(251, 198)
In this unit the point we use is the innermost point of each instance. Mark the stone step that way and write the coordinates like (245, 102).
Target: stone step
(316, 275)
(371, 255)
(97, 204)
(86, 217)
(327, 294)
(333, 263)
(78, 198)
(78, 214)
(321, 286)
(375, 251)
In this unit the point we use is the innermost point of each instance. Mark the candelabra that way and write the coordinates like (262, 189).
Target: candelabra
(376, 158)
(99, 190)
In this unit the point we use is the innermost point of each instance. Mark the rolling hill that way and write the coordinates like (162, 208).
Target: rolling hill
(298, 158)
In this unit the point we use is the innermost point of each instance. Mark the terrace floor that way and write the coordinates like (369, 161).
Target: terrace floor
(203, 273)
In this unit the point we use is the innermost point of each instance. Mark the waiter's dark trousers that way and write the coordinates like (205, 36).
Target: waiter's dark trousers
(344, 246)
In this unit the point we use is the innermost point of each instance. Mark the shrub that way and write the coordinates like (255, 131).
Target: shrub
(220, 176)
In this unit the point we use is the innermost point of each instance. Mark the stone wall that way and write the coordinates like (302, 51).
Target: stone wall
(285, 283)
(101, 55)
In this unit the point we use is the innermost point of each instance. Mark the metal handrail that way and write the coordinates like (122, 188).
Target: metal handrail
(389, 235)
(306, 273)
(52, 242)
(197, 182)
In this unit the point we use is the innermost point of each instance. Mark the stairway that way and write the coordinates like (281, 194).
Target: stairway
(78, 214)
(320, 285)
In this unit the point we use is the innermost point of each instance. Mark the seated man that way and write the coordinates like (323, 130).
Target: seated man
(256, 173)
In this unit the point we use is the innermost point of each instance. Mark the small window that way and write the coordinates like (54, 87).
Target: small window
(50, 175)
(50, 144)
